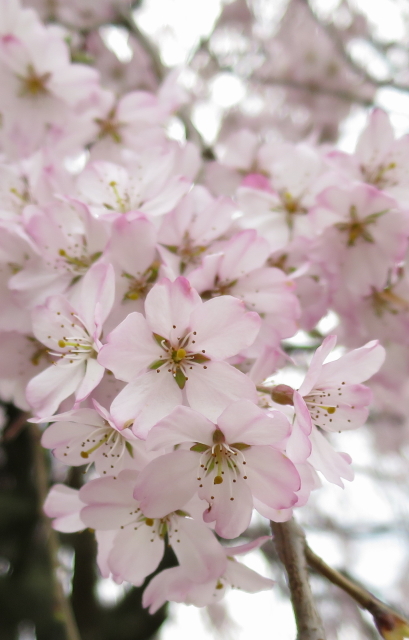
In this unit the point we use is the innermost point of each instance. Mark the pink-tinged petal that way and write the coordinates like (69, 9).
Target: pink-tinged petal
(130, 348)
(244, 421)
(223, 327)
(133, 244)
(46, 391)
(97, 296)
(52, 321)
(244, 578)
(94, 372)
(209, 391)
(356, 366)
(203, 278)
(302, 413)
(299, 444)
(64, 504)
(110, 490)
(199, 553)
(276, 515)
(231, 517)
(244, 252)
(343, 418)
(136, 553)
(182, 425)
(168, 198)
(168, 307)
(146, 401)
(310, 481)
(66, 438)
(171, 584)
(105, 540)
(376, 138)
(167, 483)
(356, 395)
(108, 516)
(317, 361)
(330, 463)
(272, 478)
(240, 549)
(61, 433)
(80, 416)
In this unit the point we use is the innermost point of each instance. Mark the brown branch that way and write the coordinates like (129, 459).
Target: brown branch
(386, 619)
(289, 540)
(16, 425)
(62, 606)
(353, 65)
(314, 89)
(160, 70)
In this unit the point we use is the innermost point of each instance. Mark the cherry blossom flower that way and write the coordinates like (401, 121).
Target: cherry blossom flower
(178, 351)
(139, 543)
(149, 184)
(332, 398)
(364, 234)
(174, 585)
(73, 338)
(90, 436)
(231, 465)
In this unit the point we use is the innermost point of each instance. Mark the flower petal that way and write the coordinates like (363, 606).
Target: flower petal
(130, 348)
(243, 421)
(136, 553)
(209, 391)
(167, 483)
(182, 425)
(223, 327)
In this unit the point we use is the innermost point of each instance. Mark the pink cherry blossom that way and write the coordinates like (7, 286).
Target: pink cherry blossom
(174, 585)
(139, 544)
(90, 436)
(178, 350)
(227, 464)
(73, 338)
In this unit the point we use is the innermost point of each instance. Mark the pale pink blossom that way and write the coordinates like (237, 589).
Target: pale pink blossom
(72, 336)
(149, 184)
(139, 543)
(178, 352)
(332, 398)
(86, 436)
(174, 585)
(228, 464)
(364, 236)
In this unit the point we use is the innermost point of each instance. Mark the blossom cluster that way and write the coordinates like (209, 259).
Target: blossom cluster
(147, 296)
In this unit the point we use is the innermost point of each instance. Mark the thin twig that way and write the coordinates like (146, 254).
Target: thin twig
(16, 425)
(160, 70)
(386, 619)
(289, 540)
(333, 34)
(62, 606)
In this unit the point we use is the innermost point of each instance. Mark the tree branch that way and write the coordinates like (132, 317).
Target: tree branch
(63, 609)
(289, 540)
(386, 619)
(160, 70)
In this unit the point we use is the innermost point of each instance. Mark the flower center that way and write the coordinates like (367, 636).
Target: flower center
(358, 228)
(178, 358)
(33, 84)
(79, 264)
(221, 461)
